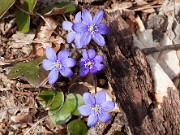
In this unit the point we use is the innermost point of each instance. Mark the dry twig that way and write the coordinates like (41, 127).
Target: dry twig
(147, 51)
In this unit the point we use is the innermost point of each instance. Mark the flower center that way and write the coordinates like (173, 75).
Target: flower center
(89, 64)
(96, 109)
(91, 28)
(57, 64)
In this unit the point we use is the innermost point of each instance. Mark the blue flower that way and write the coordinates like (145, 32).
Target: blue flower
(96, 108)
(90, 62)
(91, 28)
(60, 63)
(72, 36)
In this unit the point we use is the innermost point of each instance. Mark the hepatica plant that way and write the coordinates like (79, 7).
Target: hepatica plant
(73, 37)
(96, 108)
(58, 63)
(91, 28)
(84, 28)
(90, 62)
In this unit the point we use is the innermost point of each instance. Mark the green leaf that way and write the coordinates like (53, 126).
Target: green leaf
(58, 100)
(59, 116)
(79, 102)
(77, 127)
(23, 19)
(5, 5)
(58, 112)
(59, 8)
(45, 98)
(52, 99)
(32, 72)
(70, 106)
(73, 101)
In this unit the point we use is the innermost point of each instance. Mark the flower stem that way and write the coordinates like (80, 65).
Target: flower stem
(95, 83)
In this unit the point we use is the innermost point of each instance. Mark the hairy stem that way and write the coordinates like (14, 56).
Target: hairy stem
(95, 83)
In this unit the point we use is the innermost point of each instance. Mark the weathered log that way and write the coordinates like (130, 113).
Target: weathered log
(130, 77)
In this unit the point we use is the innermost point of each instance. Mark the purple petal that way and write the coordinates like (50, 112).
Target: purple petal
(81, 62)
(78, 42)
(91, 53)
(100, 97)
(69, 62)
(66, 72)
(71, 36)
(99, 58)
(47, 64)
(87, 17)
(107, 105)
(88, 99)
(78, 17)
(84, 54)
(66, 25)
(99, 39)
(63, 54)
(50, 54)
(83, 71)
(92, 120)
(79, 27)
(85, 38)
(53, 76)
(84, 110)
(104, 117)
(102, 28)
(98, 17)
(93, 70)
(99, 66)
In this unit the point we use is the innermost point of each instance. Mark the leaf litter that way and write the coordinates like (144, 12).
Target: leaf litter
(16, 111)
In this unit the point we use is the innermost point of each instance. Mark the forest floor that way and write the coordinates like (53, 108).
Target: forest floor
(152, 23)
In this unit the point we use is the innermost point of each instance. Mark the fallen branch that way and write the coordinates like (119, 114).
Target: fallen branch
(147, 51)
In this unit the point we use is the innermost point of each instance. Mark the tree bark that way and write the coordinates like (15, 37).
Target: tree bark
(130, 77)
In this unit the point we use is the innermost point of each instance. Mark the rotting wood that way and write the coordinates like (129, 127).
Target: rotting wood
(130, 77)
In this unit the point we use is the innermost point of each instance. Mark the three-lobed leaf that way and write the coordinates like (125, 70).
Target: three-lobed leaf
(73, 101)
(45, 98)
(59, 8)
(54, 100)
(32, 72)
(62, 115)
(22, 18)
(59, 116)
(59, 111)
(5, 5)
(51, 99)
(57, 100)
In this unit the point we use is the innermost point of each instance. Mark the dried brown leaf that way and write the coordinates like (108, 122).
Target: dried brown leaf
(26, 117)
(43, 34)
(146, 7)
(121, 5)
(56, 11)
(78, 88)
(22, 118)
